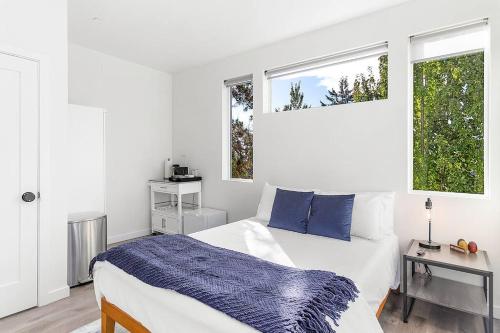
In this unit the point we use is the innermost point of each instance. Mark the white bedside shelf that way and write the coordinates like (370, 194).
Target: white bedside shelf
(167, 216)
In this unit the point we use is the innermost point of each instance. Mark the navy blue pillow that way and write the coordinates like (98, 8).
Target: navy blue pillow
(291, 210)
(331, 216)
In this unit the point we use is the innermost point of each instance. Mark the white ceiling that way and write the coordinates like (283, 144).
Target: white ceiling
(172, 35)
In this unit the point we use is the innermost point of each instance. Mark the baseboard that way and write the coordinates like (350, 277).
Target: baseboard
(129, 235)
(53, 295)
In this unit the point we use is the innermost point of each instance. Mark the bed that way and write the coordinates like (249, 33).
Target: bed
(372, 264)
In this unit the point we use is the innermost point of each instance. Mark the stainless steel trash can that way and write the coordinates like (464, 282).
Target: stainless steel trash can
(87, 237)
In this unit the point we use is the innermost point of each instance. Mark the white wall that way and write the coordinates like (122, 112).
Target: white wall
(38, 28)
(138, 131)
(86, 159)
(349, 147)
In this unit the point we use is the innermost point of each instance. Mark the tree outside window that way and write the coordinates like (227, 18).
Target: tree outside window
(358, 80)
(242, 130)
(448, 124)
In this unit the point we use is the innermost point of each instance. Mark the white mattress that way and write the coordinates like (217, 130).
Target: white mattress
(372, 265)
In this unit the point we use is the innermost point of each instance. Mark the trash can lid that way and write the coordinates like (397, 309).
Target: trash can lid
(84, 216)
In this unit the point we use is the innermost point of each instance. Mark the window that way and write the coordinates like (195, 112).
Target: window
(354, 76)
(240, 92)
(448, 78)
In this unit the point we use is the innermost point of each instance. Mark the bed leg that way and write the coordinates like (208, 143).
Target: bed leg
(111, 314)
(107, 323)
(382, 305)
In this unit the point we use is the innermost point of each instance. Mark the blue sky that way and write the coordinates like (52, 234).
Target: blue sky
(237, 112)
(309, 85)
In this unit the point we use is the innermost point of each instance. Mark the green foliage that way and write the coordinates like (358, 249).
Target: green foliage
(382, 84)
(296, 99)
(448, 124)
(241, 134)
(343, 96)
(242, 94)
(367, 88)
(241, 150)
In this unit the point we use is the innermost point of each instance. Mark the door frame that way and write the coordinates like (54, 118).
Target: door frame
(44, 166)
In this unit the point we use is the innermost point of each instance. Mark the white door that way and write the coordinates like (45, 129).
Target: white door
(19, 105)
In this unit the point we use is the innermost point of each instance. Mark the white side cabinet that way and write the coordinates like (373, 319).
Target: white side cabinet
(167, 206)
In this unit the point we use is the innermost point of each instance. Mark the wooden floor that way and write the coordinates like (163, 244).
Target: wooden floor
(81, 308)
(59, 317)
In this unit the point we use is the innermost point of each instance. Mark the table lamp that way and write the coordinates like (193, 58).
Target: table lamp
(429, 244)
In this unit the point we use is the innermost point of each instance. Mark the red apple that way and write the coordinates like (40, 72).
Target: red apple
(472, 247)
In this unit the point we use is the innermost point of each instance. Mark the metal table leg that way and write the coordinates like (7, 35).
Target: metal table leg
(405, 286)
(407, 307)
(490, 304)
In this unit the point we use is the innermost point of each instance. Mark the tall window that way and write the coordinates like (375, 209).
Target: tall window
(449, 109)
(349, 77)
(241, 127)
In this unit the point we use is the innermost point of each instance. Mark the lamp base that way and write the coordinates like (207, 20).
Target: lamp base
(429, 245)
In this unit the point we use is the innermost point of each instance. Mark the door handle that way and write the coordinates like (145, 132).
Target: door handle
(28, 196)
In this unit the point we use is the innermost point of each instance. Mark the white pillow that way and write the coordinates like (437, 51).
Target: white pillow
(267, 200)
(388, 217)
(372, 214)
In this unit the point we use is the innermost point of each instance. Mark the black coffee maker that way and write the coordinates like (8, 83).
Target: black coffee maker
(181, 174)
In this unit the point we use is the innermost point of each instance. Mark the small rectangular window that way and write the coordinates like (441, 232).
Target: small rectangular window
(448, 78)
(240, 92)
(355, 76)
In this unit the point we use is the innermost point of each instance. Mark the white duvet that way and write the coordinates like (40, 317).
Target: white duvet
(372, 265)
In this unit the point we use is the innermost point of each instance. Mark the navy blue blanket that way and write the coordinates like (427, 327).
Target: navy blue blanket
(269, 297)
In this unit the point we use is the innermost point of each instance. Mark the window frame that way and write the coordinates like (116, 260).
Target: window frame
(486, 112)
(227, 170)
(375, 49)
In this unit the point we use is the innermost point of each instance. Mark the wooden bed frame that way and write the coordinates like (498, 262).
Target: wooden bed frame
(111, 314)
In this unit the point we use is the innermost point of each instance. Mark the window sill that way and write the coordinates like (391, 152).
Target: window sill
(238, 180)
(330, 108)
(484, 196)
